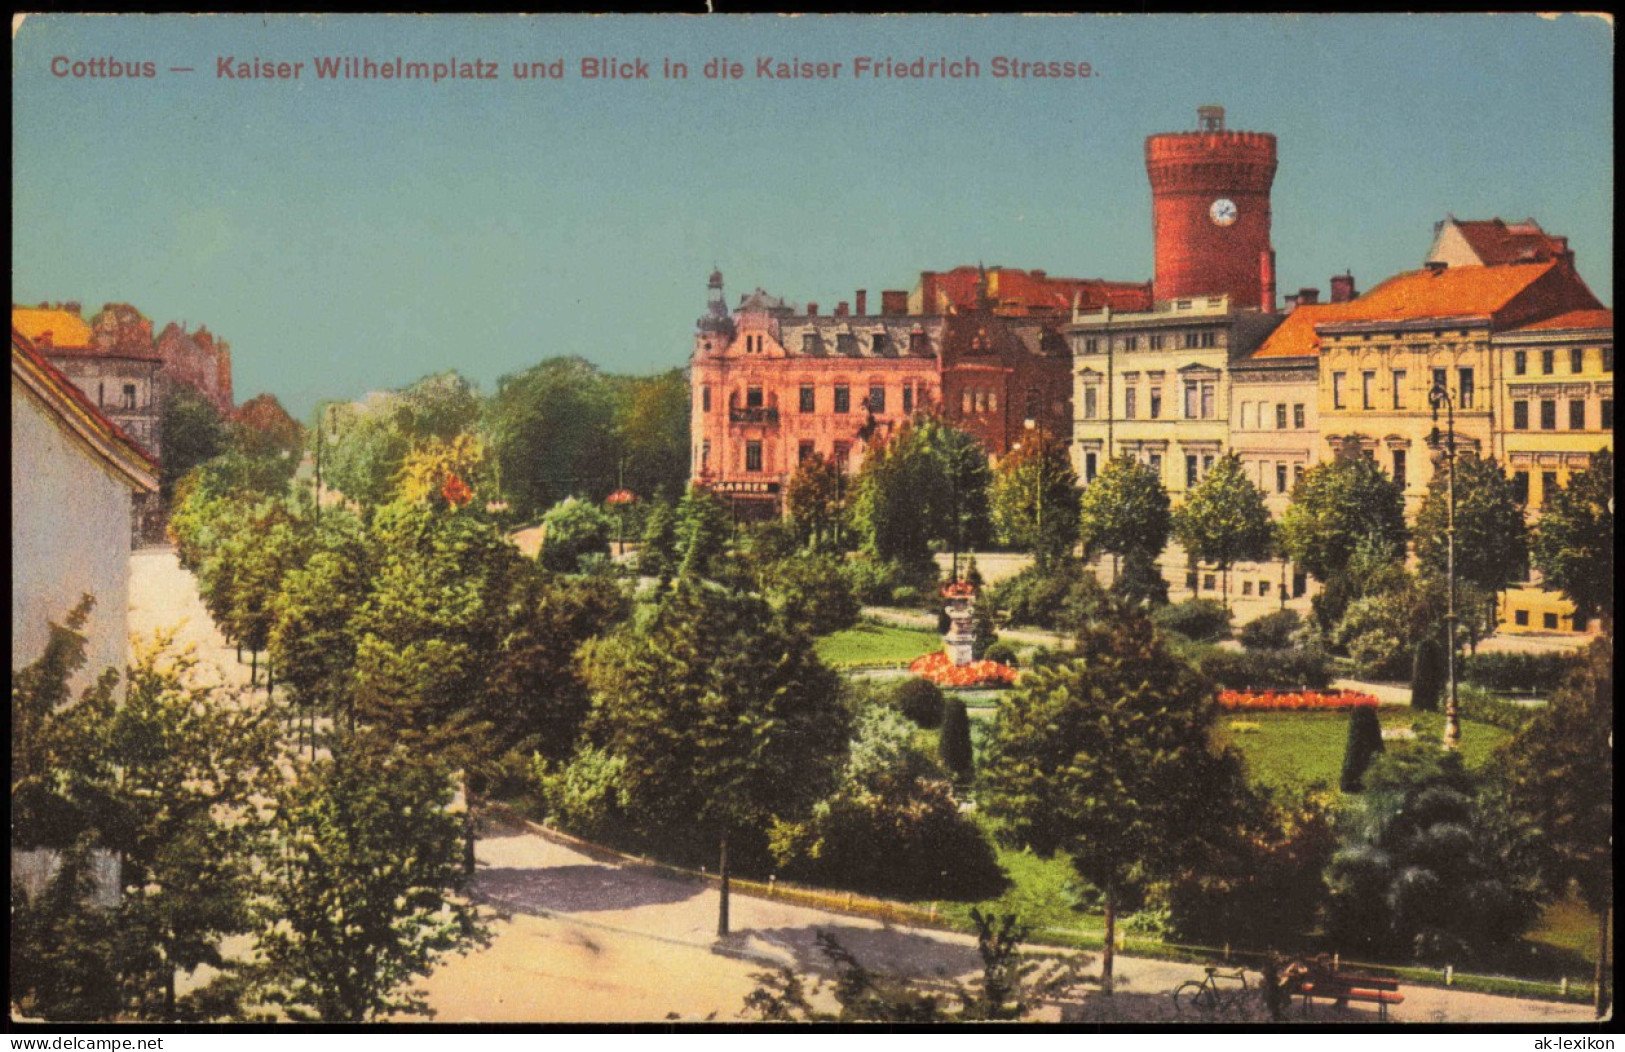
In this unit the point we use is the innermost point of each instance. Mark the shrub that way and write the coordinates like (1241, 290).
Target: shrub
(1523, 673)
(584, 796)
(1140, 581)
(812, 592)
(954, 740)
(1301, 667)
(1002, 652)
(1365, 741)
(1057, 598)
(1202, 620)
(871, 580)
(1273, 631)
(1482, 706)
(1428, 675)
(574, 529)
(921, 701)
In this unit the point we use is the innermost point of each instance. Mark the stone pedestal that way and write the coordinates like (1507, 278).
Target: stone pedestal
(961, 627)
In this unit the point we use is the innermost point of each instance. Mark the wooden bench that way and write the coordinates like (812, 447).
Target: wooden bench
(1342, 988)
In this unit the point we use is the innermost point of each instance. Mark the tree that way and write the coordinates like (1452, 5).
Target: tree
(261, 428)
(1364, 742)
(1108, 760)
(1140, 582)
(366, 445)
(961, 511)
(1574, 540)
(1428, 675)
(652, 430)
(721, 712)
(1492, 540)
(702, 533)
(193, 431)
(927, 482)
(814, 500)
(954, 740)
(657, 557)
(1125, 510)
(1560, 772)
(434, 462)
(811, 592)
(362, 891)
(574, 530)
(1335, 506)
(553, 432)
(1035, 499)
(1223, 520)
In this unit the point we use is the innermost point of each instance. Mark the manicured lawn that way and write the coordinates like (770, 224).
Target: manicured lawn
(1297, 748)
(873, 644)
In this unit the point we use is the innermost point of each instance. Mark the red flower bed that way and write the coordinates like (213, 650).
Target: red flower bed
(1268, 700)
(940, 669)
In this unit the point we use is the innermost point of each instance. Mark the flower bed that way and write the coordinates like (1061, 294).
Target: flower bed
(940, 669)
(1271, 700)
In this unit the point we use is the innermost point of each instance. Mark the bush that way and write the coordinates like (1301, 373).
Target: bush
(1140, 581)
(1002, 652)
(1273, 631)
(1296, 669)
(1365, 741)
(1482, 706)
(1202, 620)
(1058, 598)
(954, 741)
(584, 796)
(1428, 675)
(812, 592)
(573, 529)
(921, 701)
(1520, 673)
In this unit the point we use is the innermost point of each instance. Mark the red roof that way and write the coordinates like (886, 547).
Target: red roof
(23, 345)
(1497, 242)
(1576, 319)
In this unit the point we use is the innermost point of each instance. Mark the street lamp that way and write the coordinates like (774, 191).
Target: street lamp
(1440, 397)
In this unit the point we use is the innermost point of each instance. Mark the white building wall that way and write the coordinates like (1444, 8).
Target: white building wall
(70, 534)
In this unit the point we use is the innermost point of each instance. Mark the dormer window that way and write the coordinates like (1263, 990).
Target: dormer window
(846, 343)
(880, 343)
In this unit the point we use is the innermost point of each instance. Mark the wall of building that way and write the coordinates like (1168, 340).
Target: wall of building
(70, 535)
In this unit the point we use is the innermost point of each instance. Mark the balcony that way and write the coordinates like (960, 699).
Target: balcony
(754, 415)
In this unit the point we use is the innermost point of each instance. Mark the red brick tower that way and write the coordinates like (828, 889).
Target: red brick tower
(1210, 211)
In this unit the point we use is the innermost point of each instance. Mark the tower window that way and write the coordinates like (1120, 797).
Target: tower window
(129, 396)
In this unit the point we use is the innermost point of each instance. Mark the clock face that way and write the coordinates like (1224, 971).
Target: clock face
(1222, 212)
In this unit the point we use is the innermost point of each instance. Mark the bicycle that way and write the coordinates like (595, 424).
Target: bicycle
(1208, 996)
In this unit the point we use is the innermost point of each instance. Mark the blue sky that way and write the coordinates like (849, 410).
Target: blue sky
(350, 235)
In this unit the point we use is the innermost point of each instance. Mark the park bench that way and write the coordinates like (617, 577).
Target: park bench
(1345, 987)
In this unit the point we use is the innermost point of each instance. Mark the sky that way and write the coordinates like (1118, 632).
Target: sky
(348, 235)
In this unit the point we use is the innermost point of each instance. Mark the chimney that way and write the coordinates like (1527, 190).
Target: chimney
(1343, 288)
(1266, 280)
(1308, 297)
(1039, 275)
(1437, 266)
(863, 303)
(812, 309)
(894, 301)
(1290, 304)
(841, 309)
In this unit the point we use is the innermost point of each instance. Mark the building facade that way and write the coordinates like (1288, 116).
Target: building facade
(199, 360)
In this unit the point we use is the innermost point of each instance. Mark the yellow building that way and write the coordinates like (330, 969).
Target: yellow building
(1554, 409)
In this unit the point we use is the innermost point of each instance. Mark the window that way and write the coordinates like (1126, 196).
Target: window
(1577, 414)
(129, 396)
(1091, 403)
(1297, 474)
(753, 398)
(809, 343)
(1520, 486)
(908, 398)
(1520, 362)
(1280, 416)
(1300, 585)
(1263, 588)
(1580, 623)
(843, 398)
(1337, 390)
(753, 456)
(1190, 470)
(879, 343)
(705, 399)
(846, 343)
(1548, 361)
(1210, 339)
(1520, 618)
(1607, 414)
(1131, 343)
(1548, 621)
(1131, 402)
(809, 401)
(1607, 359)
(1548, 414)
(1399, 468)
(1548, 486)
(1464, 388)
(1154, 462)
(1156, 342)
(967, 404)
(1399, 388)
(1520, 415)
(1155, 404)
(1209, 581)
(804, 452)
(1441, 379)
(1577, 359)
(1246, 588)
(1280, 478)
(843, 453)
(705, 454)
(877, 398)
(1207, 463)
(1090, 462)
(1297, 416)
(1368, 389)
(1091, 345)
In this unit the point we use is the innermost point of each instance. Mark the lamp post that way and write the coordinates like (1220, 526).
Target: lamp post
(1439, 398)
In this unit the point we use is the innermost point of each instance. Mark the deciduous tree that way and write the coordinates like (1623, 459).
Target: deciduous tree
(1492, 540)
(1035, 499)
(1223, 520)
(1335, 506)
(1574, 540)
(1125, 510)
